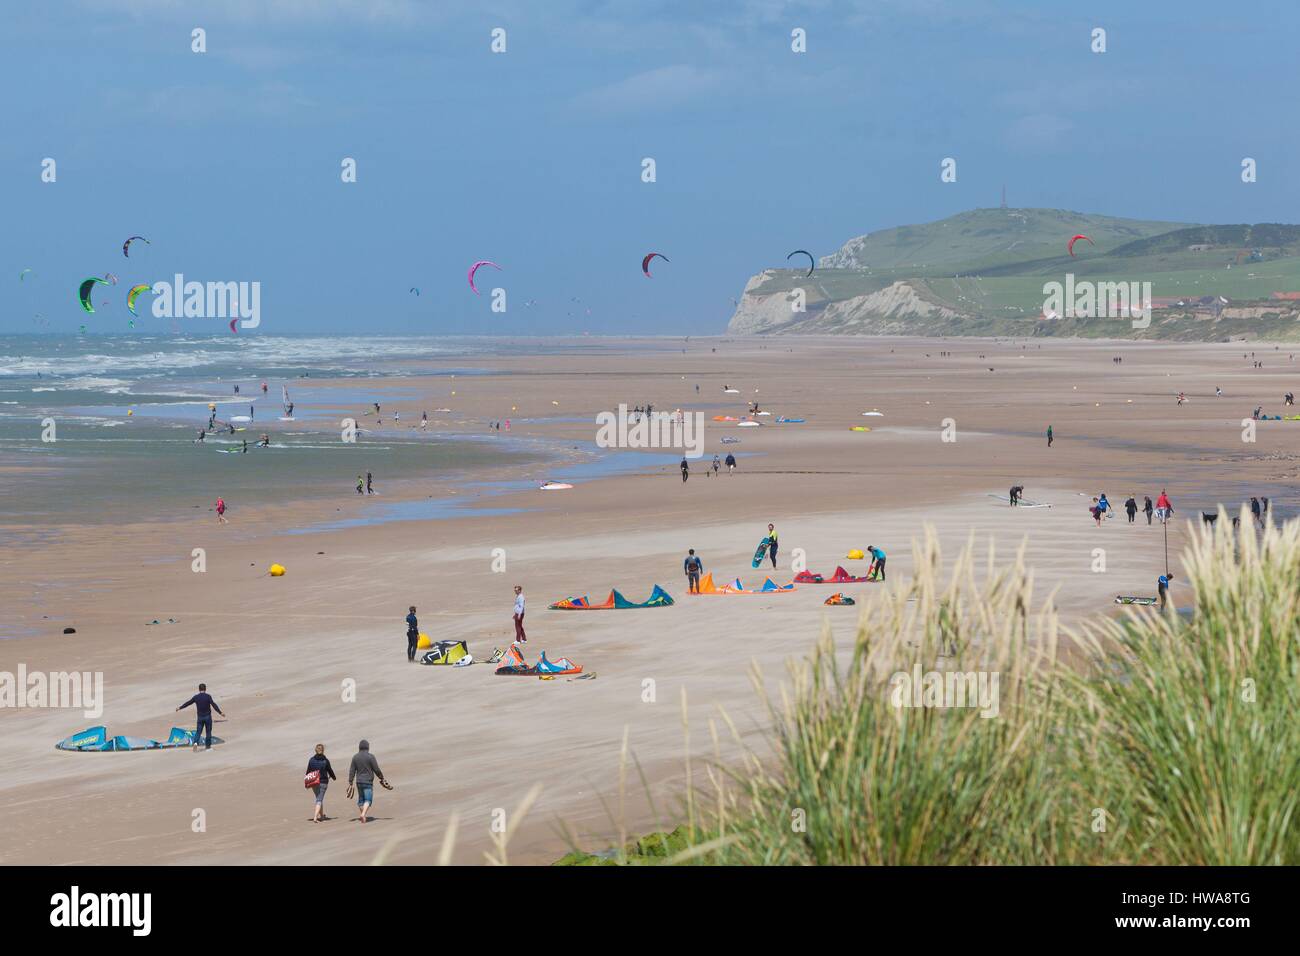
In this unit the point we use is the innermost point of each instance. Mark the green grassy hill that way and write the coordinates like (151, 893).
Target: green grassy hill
(982, 273)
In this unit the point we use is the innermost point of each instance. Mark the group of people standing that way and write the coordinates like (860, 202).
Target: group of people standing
(1162, 509)
(716, 466)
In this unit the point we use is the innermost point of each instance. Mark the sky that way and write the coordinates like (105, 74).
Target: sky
(230, 161)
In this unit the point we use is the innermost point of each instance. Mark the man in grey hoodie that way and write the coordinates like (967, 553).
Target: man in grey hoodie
(364, 771)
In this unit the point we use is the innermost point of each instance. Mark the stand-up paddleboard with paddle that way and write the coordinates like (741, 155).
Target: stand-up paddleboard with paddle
(760, 553)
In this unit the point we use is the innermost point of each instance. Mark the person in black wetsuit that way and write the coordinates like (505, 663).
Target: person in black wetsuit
(412, 634)
(204, 705)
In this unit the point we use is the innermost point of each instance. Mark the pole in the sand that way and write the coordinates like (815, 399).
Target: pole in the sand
(1165, 525)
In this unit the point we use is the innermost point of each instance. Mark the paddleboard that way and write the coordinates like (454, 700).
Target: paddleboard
(760, 554)
(873, 414)
(731, 391)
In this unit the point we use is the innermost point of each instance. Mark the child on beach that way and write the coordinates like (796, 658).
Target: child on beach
(221, 511)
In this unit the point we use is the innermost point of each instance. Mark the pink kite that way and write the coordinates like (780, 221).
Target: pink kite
(645, 263)
(1070, 245)
(475, 267)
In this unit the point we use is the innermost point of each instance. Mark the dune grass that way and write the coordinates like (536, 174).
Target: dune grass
(1149, 739)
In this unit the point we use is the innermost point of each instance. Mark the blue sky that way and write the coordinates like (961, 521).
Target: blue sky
(229, 161)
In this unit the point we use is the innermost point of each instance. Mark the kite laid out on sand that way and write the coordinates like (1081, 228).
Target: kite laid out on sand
(645, 263)
(96, 739)
(126, 246)
(1070, 245)
(87, 286)
(514, 665)
(735, 587)
(615, 602)
(839, 577)
(804, 252)
(840, 598)
(445, 653)
(475, 267)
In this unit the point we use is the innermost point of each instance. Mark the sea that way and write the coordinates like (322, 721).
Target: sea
(103, 428)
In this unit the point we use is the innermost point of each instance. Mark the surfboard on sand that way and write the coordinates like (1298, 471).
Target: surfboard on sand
(760, 553)
(1133, 599)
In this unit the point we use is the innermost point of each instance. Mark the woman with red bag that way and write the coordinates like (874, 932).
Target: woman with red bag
(319, 775)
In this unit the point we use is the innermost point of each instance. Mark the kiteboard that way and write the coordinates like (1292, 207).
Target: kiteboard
(760, 553)
(748, 424)
(288, 419)
(859, 428)
(554, 486)
(873, 414)
(1132, 599)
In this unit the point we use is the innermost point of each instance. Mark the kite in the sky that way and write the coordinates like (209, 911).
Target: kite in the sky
(475, 267)
(645, 263)
(415, 290)
(83, 293)
(1070, 245)
(126, 246)
(232, 325)
(133, 294)
(803, 252)
(23, 275)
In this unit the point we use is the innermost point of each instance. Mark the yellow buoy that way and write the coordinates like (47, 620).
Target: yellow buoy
(424, 643)
(856, 554)
(276, 570)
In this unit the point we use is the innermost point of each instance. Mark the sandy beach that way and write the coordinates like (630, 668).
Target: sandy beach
(280, 654)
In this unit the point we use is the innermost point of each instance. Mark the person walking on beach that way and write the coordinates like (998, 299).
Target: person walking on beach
(1163, 508)
(1131, 506)
(364, 771)
(520, 636)
(731, 463)
(370, 483)
(221, 510)
(1016, 492)
(1095, 511)
(319, 764)
(717, 465)
(204, 705)
(361, 485)
(1049, 436)
(1162, 589)
(424, 419)
(1254, 511)
(1147, 507)
(693, 566)
(771, 544)
(412, 634)
(686, 470)
(877, 565)
(1104, 505)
